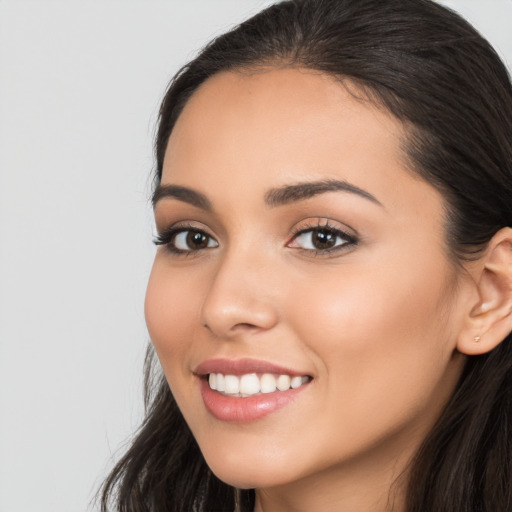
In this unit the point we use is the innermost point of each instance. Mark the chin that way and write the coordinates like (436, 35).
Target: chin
(246, 473)
(250, 478)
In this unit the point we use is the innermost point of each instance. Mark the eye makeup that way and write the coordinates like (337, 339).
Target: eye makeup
(177, 237)
(317, 238)
(321, 238)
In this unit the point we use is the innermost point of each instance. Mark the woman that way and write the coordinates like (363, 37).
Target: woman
(331, 297)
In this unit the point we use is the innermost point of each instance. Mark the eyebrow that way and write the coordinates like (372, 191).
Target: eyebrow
(273, 198)
(185, 194)
(301, 191)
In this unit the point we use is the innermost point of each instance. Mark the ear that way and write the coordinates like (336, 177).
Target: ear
(489, 319)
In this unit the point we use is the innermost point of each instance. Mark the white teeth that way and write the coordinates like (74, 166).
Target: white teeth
(220, 384)
(268, 383)
(250, 384)
(296, 382)
(231, 384)
(283, 382)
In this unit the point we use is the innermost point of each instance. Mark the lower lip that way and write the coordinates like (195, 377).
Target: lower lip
(243, 410)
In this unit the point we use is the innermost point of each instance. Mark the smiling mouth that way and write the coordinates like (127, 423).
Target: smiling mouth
(253, 384)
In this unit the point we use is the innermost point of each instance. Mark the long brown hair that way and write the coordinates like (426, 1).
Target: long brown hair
(436, 74)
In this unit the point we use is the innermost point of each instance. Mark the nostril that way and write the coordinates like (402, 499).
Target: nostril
(237, 327)
(226, 314)
(245, 325)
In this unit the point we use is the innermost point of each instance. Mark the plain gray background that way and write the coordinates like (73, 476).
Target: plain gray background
(80, 84)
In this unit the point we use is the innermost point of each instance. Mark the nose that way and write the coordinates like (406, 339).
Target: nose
(241, 297)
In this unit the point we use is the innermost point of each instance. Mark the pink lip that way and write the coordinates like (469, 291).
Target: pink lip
(252, 408)
(243, 410)
(241, 367)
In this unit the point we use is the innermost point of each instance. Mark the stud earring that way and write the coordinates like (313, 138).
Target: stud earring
(477, 339)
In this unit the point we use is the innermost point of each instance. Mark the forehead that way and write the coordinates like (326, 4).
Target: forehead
(295, 102)
(268, 111)
(266, 128)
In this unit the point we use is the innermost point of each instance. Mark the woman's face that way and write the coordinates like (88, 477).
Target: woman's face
(300, 252)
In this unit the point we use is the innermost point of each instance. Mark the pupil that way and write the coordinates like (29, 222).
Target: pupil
(323, 239)
(197, 240)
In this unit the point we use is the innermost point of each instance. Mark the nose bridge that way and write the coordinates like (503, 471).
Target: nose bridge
(240, 295)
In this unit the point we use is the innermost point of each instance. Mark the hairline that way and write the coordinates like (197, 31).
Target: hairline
(362, 92)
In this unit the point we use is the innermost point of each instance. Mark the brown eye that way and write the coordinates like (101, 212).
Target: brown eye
(196, 240)
(322, 239)
(192, 240)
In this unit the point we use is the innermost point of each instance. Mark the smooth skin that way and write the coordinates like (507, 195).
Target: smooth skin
(381, 322)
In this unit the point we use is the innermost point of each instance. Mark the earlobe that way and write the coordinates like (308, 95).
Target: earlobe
(489, 319)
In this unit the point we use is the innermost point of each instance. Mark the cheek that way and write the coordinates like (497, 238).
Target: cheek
(379, 338)
(375, 310)
(172, 314)
(170, 306)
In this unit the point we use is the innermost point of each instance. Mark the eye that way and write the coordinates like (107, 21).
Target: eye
(321, 239)
(185, 240)
(193, 241)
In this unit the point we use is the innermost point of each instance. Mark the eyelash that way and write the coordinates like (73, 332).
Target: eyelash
(167, 238)
(325, 226)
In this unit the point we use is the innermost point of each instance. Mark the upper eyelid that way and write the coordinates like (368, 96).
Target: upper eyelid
(310, 224)
(323, 223)
(338, 232)
(166, 235)
(347, 233)
(185, 225)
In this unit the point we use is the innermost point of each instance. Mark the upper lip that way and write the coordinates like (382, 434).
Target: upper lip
(243, 366)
